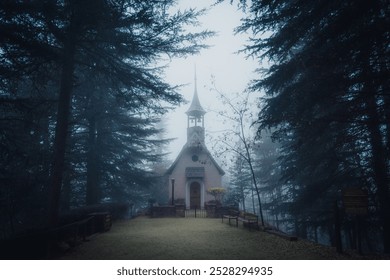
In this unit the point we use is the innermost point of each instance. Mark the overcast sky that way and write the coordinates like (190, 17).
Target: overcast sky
(232, 72)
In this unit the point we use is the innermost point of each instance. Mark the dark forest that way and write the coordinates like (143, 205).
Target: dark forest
(82, 96)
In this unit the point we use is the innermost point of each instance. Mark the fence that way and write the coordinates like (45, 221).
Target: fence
(196, 213)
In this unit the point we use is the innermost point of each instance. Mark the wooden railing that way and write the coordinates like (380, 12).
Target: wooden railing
(42, 244)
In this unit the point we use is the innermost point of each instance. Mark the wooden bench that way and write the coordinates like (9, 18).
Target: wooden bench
(248, 219)
(231, 215)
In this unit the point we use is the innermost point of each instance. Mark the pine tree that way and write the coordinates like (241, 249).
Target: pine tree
(122, 41)
(326, 96)
(240, 182)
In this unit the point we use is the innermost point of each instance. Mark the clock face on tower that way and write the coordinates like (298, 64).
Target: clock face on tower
(195, 158)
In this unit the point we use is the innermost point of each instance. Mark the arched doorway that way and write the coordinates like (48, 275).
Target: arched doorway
(195, 195)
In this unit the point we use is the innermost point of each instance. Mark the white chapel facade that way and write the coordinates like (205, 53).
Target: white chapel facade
(194, 171)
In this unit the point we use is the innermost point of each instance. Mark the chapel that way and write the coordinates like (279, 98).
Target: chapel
(195, 170)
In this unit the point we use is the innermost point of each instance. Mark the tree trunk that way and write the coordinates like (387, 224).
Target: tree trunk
(67, 190)
(63, 112)
(277, 221)
(243, 198)
(379, 166)
(296, 226)
(249, 160)
(256, 187)
(253, 201)
(92, 192)
(387, 121)
(315, 228)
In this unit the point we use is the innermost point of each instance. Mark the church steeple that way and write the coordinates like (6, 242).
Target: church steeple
(195, 107)
(195, 119)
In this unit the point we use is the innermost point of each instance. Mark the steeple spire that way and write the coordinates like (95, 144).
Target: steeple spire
(195, 108)
(195, 120)
(195, 80)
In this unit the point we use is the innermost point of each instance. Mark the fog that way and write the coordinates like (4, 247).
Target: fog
(83, 86)
(220, 62)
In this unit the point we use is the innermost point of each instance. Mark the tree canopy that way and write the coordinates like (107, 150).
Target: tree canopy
(327, 98)
(81, 91)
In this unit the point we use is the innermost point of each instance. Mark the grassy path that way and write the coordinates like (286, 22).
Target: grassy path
(170, 238)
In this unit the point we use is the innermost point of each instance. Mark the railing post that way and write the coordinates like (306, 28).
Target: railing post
(195, 211)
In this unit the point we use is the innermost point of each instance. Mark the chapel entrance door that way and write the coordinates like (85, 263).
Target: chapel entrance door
(195, 195)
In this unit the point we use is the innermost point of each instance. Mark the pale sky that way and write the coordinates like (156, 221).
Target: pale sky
(232, 72)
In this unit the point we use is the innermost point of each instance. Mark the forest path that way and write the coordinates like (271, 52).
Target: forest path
(180, 238)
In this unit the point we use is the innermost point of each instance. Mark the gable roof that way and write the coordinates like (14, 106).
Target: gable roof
(184, 149)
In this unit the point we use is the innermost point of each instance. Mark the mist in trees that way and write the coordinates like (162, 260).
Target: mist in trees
(81, 93)
(238, 141)
(327, 103)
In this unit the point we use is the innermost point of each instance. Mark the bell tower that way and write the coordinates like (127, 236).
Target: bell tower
(195, 121)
